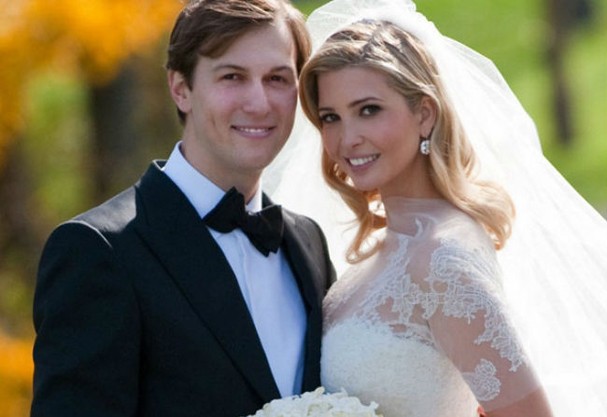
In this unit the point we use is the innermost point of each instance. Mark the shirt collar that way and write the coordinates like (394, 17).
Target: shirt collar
(202, 193)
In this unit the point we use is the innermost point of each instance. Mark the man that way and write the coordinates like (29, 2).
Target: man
(150, 304)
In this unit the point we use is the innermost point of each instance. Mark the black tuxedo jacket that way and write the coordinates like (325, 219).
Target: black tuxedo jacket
(138, 313)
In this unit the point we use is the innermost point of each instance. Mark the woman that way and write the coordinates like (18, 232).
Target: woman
(421, 322)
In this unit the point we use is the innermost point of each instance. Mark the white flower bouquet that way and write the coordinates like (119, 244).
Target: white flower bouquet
(317, 403)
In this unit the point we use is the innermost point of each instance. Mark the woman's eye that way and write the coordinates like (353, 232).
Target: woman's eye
(369, 110)
(328, 118)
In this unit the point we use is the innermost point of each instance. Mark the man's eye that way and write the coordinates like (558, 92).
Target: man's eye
(230, 77)
(282, 79)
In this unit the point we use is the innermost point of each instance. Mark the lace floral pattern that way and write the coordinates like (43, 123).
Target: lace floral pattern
(437, 286)
(471, 289)
(402, 295)
(486, 385)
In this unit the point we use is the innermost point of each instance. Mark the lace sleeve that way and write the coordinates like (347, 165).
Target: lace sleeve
(469, 323)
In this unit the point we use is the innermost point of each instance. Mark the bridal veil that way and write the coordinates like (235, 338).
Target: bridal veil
(555, 263)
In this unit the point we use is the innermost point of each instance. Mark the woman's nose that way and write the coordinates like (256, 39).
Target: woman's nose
(351, 135)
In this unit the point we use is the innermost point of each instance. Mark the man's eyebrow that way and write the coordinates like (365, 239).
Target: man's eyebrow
(236, 67)
(221, 67)
(283, 68)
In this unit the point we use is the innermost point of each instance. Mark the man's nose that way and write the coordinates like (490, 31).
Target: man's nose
(257, 100)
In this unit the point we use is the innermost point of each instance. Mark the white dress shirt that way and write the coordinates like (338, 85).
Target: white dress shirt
(267, 283)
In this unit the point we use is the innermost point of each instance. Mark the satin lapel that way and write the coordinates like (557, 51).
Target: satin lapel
(303, 265)
(311, 282)
(198, 267)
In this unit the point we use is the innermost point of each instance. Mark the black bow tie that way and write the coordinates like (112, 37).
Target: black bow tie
(264, 228)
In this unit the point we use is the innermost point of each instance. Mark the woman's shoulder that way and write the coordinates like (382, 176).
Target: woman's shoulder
(449, 227)
(455, 243)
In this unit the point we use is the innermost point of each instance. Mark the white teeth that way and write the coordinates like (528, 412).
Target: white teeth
(253, 129)
(361, 161)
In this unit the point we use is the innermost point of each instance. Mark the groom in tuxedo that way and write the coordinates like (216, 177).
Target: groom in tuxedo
(190, 293)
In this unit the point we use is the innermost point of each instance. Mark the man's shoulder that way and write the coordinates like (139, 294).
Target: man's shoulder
(306, 230)
(113, 215)
(301, 221)
(106, 225)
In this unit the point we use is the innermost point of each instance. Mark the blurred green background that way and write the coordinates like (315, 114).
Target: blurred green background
(84, 107)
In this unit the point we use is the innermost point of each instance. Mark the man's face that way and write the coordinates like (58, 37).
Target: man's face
(240, 109)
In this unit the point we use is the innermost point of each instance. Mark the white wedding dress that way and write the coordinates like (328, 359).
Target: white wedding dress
(421, 328)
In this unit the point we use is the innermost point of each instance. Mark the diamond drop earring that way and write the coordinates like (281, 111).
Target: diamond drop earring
(424, 146)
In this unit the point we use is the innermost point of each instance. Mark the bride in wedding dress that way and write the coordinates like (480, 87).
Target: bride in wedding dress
(478, 272)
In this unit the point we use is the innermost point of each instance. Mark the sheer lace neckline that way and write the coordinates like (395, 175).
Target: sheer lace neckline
(404, 214)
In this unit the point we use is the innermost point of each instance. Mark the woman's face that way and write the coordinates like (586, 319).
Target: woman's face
(369, 129)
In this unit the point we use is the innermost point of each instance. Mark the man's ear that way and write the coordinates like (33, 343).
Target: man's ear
(428, 113)
(179, 90)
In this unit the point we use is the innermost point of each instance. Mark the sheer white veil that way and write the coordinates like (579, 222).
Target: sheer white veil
(554, 265)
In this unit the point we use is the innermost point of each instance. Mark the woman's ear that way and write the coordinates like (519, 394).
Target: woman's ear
(428, 113)
(180, 92)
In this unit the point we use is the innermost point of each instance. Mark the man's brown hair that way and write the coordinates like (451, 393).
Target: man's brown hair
(210, 27)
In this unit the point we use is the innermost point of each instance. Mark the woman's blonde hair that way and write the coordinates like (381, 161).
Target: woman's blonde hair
(402, 58)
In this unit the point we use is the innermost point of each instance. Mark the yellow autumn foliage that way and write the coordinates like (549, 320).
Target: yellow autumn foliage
(16, 371)
(90, 39)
